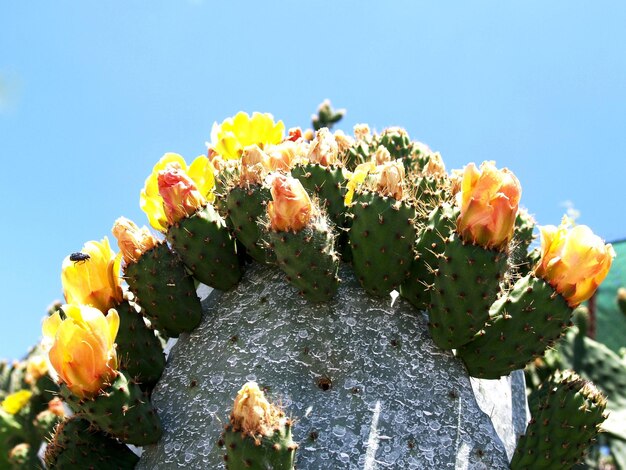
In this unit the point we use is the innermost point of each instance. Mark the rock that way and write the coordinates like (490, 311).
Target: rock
(367, 387)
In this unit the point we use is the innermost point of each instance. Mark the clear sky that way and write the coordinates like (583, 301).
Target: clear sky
(93, 93)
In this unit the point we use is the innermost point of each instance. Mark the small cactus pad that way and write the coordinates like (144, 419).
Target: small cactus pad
(138, 349)
(522, 325)
(165, 291)
(466, 284)
(309, 259)
(382, 239)
(76, 444)
(207, 248)
(328, 184)
(258, 436)
(428, 246)
(121, 410)
(245, 206)
(566, 420)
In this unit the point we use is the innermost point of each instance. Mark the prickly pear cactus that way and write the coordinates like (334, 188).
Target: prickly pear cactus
(360, 377)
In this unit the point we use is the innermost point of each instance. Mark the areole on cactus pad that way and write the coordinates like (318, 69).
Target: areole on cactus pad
(377, 207)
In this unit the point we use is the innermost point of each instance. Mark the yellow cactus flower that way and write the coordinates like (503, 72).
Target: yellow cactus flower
(96, 281)
(132, 240)
(574, 261)
(201, 171)
(181, 197)
(230, 137)
(252, 414)
(83, 350)
(36, 367)
(14, 402)
(488, 199)
(356, 178)
(290, 208)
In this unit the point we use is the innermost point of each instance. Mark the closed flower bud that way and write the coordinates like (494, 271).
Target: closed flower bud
(290, 208)
(488, 200)
(83, 348)
(390, 179)
(95, 281)
(573, 260)
(132, 240)
(181, 197)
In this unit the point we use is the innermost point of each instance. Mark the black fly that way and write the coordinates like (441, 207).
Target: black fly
(79, 257)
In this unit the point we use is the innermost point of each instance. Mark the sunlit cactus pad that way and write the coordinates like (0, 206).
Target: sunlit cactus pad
(362, 379)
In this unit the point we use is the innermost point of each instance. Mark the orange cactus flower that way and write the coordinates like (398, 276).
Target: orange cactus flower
(201, 171)
(290, 208)
(488, 200)
(83, 349)
(95, 281)
(573, 260)
(181, 197)
(132, 240)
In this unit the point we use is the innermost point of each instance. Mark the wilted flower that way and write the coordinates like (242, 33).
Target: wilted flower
(96, 281)
(252, 414)
(83, 350)
(132, 240)
(488, 200)
(573, 260)
(324, 149)
(390, 179)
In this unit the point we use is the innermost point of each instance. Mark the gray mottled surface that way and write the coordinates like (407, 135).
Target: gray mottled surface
(396, 400)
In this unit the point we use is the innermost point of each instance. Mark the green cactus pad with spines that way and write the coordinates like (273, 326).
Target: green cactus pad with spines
(382, 240)
(428, 245)
(522, 325)
(76, 444)
(328, 183)
(24, 457)
(165, 291)
(245, 206)
(595, 362)
(45, 423)
(466, 284)
(565, 421)
(138, 349)
(520, 260)
(360, 152)
(399, 144)
(309, 259)
(207, 248)
(273, 452)
(122, 410)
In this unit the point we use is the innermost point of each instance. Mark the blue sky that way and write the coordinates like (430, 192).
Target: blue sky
(93, 93)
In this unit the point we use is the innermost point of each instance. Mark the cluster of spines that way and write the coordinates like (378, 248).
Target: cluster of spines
(165, 290)
(121, 410)
(78, 444)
